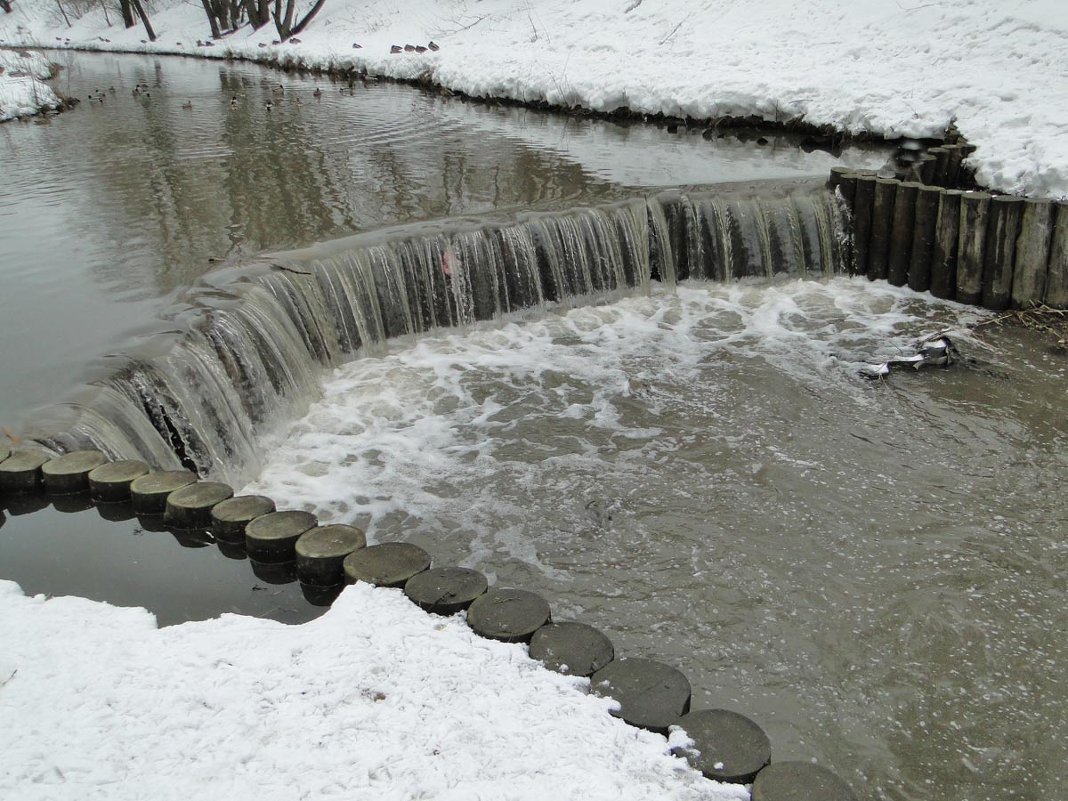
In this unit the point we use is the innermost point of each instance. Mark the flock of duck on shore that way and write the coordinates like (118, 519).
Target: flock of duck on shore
(142, 90)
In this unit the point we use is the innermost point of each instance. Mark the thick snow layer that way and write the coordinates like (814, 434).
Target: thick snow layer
(905, 68)
(374, 700)
(22, 88)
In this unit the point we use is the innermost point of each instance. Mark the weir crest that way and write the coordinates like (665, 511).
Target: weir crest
(244, 352)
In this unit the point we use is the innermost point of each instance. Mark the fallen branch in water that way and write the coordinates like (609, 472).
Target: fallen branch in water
(1038, 317)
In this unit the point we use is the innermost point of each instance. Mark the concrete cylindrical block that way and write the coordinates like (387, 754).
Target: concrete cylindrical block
(923, 237)
(445, 590)
(882, 217)
(69, 473)
(651, 695)
(902, 232)
(1056, 294)
(229, 518)
(1032, 253)
(190, 507)
(388, 564)
(572, 648)
(321, 553)
(790, 781)
(862, 211)
(727, 747)
(4, 453)
(1000, 256)
(149, 493)
(947, 238)
(508, 615)
(971, 247)
(21, 471)
(273, 537)
(110, 483)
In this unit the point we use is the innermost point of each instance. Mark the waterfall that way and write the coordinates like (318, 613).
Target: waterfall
(249, 348)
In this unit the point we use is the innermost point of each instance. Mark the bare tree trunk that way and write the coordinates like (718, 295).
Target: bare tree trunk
(258, 13)
(66, 19)
(6, 5)
(211, 19)
(140, 9)
(104, 6)
(127, 13)
(309, 17)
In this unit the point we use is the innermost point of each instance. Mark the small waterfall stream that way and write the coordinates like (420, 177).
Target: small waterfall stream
(244, 354)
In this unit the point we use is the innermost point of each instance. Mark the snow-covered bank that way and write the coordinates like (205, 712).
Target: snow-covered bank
(23, 91)
(892, 69)
(99, 703)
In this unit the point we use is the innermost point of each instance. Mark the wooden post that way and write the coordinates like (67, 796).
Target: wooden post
(1057, 273)
(1000, 254)
(944, 254)
(846, 184)
(974, 214)
(923, 237)
(881, 220)
(902, 232)
(862, 210)
(1032, 253)
(956, 155)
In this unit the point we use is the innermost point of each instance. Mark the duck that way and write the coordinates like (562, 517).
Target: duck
(395, 49)
(187, 105)
(420, 49)
(268, 105)
(279, 90)
(409, 48)
(434, 46)
(357, 46)
(317, 93)
(233, 102)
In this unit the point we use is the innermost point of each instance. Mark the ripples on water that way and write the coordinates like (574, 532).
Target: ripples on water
(870, 569)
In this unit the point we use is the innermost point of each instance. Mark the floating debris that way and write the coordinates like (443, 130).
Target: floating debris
(934, 350)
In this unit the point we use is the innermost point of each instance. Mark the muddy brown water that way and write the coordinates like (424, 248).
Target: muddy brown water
(874, 572)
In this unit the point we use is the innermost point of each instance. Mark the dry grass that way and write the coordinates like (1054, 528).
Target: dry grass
(1038, 317)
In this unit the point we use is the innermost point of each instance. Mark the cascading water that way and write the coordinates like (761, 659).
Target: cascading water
(248, 351)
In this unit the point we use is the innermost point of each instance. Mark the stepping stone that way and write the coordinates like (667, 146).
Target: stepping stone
(651, 695)
(273, 537)
(149, 493)
(508, 615)
(229, 518)
(572, 648)
(800, 781)
(69, 473)
(190, 507)
(445, 590)
(389, 564)
(21, 470)
(111, 482)
(321, 552)
(4, 453)
(727, 747)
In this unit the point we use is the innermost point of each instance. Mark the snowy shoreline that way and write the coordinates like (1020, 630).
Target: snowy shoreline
(23, 88)
(863, 70)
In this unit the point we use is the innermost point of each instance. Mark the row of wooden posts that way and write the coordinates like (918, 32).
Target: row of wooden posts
(995, 251)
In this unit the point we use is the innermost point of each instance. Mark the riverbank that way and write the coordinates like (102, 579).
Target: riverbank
(866, 69)
(23, 88)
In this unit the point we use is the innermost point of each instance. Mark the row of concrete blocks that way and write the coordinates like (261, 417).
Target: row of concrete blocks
(995, 251)
(726, 746)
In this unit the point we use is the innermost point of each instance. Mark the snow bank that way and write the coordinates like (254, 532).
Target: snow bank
(1000, 71)
(22, 88)
(374, 700)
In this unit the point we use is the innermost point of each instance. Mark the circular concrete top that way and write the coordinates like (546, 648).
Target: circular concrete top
(445, 590)
(111, 482)
(389, 564)
(321, 552)
(273, 537)
(149, 493)
(190, 506)
(70, 473)
(508, 615)
(229, 518)
(651, 695)
(21, 470)
(727, 747)
(800, 781)
(572, 648)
